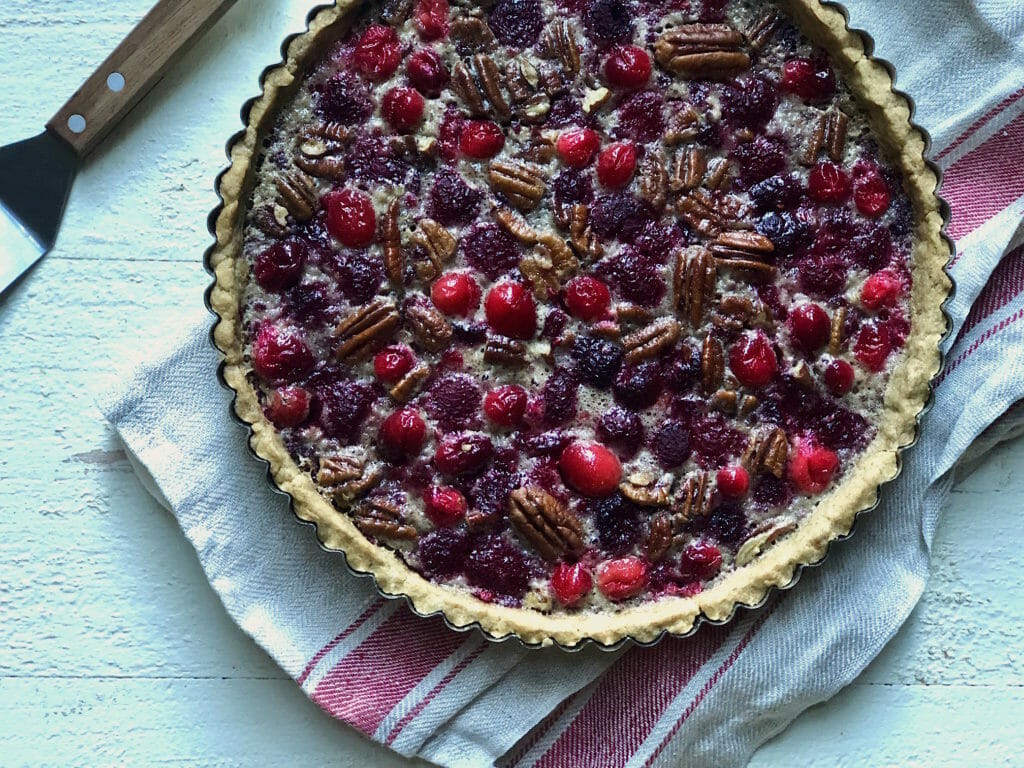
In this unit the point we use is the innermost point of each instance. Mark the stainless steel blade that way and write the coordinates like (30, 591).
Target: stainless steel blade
(19, 250)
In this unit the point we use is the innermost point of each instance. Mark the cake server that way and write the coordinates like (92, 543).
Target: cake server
(36, 174)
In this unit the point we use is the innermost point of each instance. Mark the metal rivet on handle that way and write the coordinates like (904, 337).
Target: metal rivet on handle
(76, 124)
(115, 82)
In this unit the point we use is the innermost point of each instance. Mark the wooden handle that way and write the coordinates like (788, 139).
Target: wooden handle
(132, 70)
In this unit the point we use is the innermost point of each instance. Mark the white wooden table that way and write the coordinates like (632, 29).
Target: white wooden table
(113, 648)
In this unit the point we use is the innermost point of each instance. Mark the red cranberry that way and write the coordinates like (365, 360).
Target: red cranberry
(700, 561)
(280, 265)
(403, 108)
(733, 482)
(455, 293)
(402, 434)
(810, 327)
(506, 405)
(432, 19)
(392, 363)
(463, 454)
(627, 67)
(829, 183)
(753, 361)
(444, 506)
(873, 346)
(350, 217)
(378, 52)
(839, 377)
(871, 195)
(587, 298)
(881, 289)
(280, 354)
(616, 164)
(511, 310)
(810, 79)
(571, 583)
(812, 467)
(623, 578)
(289, 406)
(590, 468)
(427, 72)
(481, 139)
(576, 148)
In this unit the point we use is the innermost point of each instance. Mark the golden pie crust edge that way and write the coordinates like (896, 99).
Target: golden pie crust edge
(906, 395)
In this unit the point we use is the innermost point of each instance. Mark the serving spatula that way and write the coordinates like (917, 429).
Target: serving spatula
(36, 174)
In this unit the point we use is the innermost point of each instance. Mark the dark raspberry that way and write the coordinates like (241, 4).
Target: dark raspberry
(714, 442)
(785, 231)
(280, 266)
(772, 492)
(619, 216)
(683, 370)
(372, 159)
(610, 21)
(452, 201)
(638, 386)
(597, 361)
(842, 429)
(559, 397)
(572, 186)
(658, 242)
(567, 110)
(517, 23)
(777, 193)
(749, 102)
(622, 429)
(671, 443)
(469, 332)
(712, 11)
(495, 564)
(727, 523)
(359, 275)
(490, 249)
(640, 117)
(759, 159)
(343, 99)
(554, 324)
(489, 492)
(442, 552)
(454, 402)
(636, 276)
(874, 249)
(618, 524)
(823, 275)
(463, 454)
(344, 406)
(550, 443)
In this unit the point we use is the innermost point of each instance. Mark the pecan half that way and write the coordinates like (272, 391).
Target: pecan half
(406, 387)
(764, 535)
(586, 244)
(733, 313)
(762, 29)
(730, 402)
(348, 476)
(659, 537)
(298, 195)
(718, 178)
(712, 364)
(742, 245)
(647, 490)
(830, 135)
(503, 351)
(437, 243)
(391, 239)
(558, 41)
(704, 51)
(653, 182)
(271, 220)
(321, 150)
(522, 184)
(516, 225)
(709, 215)
(694, 283)
(540, 274)
(688, 169)
(546, 523)
(383, 519)
(480, 88)
(767, 451)
(471, 33)
(530, 105)
(692, 500)
(651, 341)
(365, 330)
(683, 126)
(835, 340)
(429, 326)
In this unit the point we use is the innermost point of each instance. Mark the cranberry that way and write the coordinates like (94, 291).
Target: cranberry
(511, 311)
(627, 67)
(616, 164)
(490, 249)
(455, 293)
(495, 564)
(505, 405)
(378, 52)
(280, 265)
(623, 578)
(443, 551)
(871, 195)
(576, 148)
(671, 443)
(839, 376)
(829, 183)
(617, 522)
(752, 359)
(402, 434)
(622, 429)
(700, 561)
(517, 23)
(810, 327)
(454, 401)
(481, 139)
(444, 506)
(610, 21)
(427, 72)
(873, 346)
(570, 583)
(280, 354)
(639, 386)
(881, 289)
(590, 468)
(463, 454)
(733, 482)
(452, 201)
(350, 217)
(432, 18)
(289, 406)
(812, 467)
(392, 363)
(403, 108)
(587, 298)
(810, 79)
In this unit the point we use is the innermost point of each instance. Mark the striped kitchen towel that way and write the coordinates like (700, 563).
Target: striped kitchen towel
(458, 700)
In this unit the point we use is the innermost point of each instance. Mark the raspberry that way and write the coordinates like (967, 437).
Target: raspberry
(443, 551)
(587, 298)
(683, 370)
(280, 266)
(558, 397)
(610, 21)
(448, 134)
(621, 429)
(289, 406)
(812, 468)
(881, 289)
(344, 407)
(359, 274)
(506, 405)
(455, 293)
(873, 346)
(372, 159)
(623, 578)
(616, 164)
(350, 217)
(839, 377)
(491, 490)
(463, 454)
(727, 523)
(733, 482)
(378, 52)
(481, 139)
(454, 401)
(490, 249)
(392, 363)
(777, 193)
(638, 386)
(452, 201)
(554, 324)
(828, 183)
(671, 443)
(402, 434)
(570, 583)
(571, 187)
(714, 442)
(619, 216)
(402, 108)
(627, 67)
(759, 159)
(511, 311)
(344, 99)
(597, 361)
(517, 23)
(823, 274)
(427, 73)
(590, 468)
(810, 79)
(700, 561)
(871, 195)
(636, 276)
(641, 117)
(432, 19)
(617, 522)
(497, 565)
(576, 148)
(280, 354)
(785, 230)
(444, 506)
(752, 359)
(810, 327)
(749, 102)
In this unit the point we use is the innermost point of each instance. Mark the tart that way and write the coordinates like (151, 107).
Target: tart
(579, 319)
